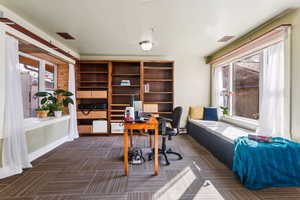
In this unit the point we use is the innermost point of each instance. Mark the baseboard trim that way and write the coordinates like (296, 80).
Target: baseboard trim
(42, 151)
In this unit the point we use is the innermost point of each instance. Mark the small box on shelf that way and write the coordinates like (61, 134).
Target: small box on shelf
(117, 127)
(125, 83)
(99, 126)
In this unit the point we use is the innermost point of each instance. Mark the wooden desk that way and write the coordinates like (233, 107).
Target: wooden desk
(151, 124)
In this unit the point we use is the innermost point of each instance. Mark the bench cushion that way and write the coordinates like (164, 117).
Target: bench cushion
(216, 136)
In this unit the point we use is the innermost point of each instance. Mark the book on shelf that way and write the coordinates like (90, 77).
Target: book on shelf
(147, 88)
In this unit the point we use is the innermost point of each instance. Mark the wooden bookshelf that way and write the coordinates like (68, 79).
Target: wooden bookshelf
(123, 70)
(160, 78)
(107, 76)
(91, 79)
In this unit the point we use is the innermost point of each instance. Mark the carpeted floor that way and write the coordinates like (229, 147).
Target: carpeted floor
(92, 168)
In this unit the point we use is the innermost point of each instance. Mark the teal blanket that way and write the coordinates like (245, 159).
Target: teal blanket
(260, 165)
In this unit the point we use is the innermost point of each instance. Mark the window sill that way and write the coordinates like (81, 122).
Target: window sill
(35, 123)
(241, 122)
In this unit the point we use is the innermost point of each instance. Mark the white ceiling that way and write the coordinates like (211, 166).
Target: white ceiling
(114, 27)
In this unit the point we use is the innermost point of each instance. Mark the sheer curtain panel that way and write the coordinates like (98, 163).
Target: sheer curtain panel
(15, 153)
(217, 99)
(73, 131)
(273, 107)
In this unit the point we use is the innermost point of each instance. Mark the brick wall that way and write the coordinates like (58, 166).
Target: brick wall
(62, 76)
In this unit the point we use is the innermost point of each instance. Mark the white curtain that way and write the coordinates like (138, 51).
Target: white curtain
(15, 153)
(273, 107)
(73, 131)
(217, 99)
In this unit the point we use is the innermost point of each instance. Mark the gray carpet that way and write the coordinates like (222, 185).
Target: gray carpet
(92, 168)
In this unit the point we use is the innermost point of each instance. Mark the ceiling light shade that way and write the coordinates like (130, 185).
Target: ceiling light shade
(146, 45)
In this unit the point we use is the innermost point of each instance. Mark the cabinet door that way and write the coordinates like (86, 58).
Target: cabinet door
(84, 129)
(92, 115)
(84, 94)
(99, 94)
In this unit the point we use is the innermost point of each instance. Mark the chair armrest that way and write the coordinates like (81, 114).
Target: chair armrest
(165, 119)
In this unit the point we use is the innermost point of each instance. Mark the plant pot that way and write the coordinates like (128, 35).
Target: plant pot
(42, 113)
(58, 113)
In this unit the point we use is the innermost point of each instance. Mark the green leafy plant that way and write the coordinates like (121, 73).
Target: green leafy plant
(56, 107)
(225, 110)
(56, 101)
(43, 107)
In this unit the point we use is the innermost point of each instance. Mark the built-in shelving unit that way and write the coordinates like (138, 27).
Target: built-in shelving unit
(159, 76)
(92, 88)
(106, 76)
(121, 94)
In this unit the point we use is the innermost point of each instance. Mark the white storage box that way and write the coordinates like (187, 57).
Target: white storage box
(117, 128)
(99, 126)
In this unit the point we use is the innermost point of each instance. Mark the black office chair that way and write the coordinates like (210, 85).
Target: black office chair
(168, 132)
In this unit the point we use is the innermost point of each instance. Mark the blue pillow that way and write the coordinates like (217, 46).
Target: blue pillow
(210, 114)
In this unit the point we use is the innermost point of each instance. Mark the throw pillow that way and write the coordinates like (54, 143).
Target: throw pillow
(211, 114)
(196, 112)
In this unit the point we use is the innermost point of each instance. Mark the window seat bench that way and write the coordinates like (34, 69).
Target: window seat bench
(43, 135)
(217, 137)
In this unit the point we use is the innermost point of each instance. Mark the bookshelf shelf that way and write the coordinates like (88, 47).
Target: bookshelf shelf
(158, 80)
(125, 94)
(125, 74)
(158, 92)
(126, 86)
(120, 105)
(93, 81)
(158, 68)
(159, 102)
(91, 72)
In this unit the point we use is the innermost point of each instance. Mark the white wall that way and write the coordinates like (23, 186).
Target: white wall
(192, 78)
(192, 82)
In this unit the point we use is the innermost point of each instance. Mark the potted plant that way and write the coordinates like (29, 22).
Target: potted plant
(56, 108)
(55, 102)
(42, 111)
(64, 98)
(225, 110)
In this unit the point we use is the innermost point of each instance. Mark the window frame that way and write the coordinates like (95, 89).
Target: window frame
(41, 73)
(276, 35)
(235, 119)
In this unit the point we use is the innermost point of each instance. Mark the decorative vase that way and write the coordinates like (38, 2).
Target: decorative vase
(58, 113)
(42, 113)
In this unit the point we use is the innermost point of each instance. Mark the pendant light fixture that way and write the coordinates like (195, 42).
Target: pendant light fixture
(147, 45)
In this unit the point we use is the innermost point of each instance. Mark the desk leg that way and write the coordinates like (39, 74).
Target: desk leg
(131, 135)
(126, 152)
(156, 152)
(150, 142)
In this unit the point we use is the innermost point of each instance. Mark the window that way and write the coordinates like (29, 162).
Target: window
(30, 85)
(49, 77)
(34, 79)
(245, 87)
(241, 86)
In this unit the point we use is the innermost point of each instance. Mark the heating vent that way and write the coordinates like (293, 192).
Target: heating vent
(226, 38)
(66, 36)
